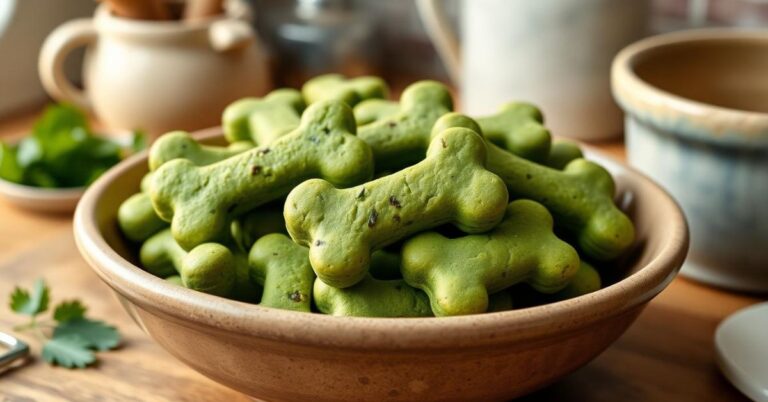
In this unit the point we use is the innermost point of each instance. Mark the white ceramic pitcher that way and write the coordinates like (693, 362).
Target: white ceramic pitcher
(157, 76)
(554, 53)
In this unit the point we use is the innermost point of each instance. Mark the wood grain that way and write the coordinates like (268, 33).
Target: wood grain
(667, 355)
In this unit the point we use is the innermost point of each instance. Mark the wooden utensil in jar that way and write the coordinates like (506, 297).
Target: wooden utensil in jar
(139, 9)
(200, 9)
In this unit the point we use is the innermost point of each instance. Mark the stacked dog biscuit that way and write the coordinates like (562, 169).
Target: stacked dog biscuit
(390, 209)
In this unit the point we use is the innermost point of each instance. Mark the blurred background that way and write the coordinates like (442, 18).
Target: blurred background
(304, 38)
(85, 83)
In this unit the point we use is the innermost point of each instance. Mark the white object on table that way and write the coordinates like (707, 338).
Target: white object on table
(742, 350)
(556, 54)
(16, 351)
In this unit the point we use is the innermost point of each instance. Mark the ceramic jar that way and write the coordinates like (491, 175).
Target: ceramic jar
(696, 108)
(156, 75)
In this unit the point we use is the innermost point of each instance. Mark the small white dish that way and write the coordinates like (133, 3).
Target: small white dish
(53, 200)
(38, 199)
(742, 350)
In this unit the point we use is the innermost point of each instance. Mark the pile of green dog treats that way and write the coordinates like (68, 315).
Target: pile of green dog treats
(336, 200)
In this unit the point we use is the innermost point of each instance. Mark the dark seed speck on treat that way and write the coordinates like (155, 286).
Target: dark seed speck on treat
(296, 296)
(394, 202)
(372, 218)
(442, 140)
(256, 169)
(361, 195)
(319, 242)
(396, 218)
(392, 124)
(262, 151)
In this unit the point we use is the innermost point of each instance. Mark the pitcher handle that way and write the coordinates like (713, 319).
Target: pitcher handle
(442, 36)
(230, 35)
(50, 67)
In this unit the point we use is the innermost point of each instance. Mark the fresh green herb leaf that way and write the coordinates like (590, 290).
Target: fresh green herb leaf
(38, 176)
(74, 336)
(61, 151)
(69, 310)
(68, 351)
(29, 153)
(138, 141)
(97, 334)
(23, 302)
(9, 165)
(58, 119)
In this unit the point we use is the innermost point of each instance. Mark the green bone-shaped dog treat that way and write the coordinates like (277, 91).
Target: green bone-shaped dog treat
(137, 218)
(179, 144)
(401, 139)
(282, 268)
(459, 274)
(175, 279)
(263, 120)
(580, 197)
(250, 227)
(343, 227)
(145, 182)
(337, 87)
(210, 268)
(500, 301)
(518, 128)
(371, 110)
(562, 153)
(586, 280)
(160, 255)
(372, 298)
(200, 201)
(385, 264)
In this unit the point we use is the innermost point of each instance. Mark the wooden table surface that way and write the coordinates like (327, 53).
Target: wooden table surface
(666, 355)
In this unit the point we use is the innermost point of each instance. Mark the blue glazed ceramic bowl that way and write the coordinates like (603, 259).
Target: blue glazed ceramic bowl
(696, 106)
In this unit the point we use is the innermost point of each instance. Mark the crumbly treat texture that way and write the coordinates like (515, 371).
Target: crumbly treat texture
(459, 274)
(343, 226)
(263, 120)
(200, 202)
(348, 90)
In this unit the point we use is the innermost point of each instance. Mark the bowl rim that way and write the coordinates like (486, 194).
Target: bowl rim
(25, 191)
(665, 109)
(190, 308)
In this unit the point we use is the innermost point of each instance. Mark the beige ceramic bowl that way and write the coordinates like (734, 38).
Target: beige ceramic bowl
(281, 355)
(696, 106)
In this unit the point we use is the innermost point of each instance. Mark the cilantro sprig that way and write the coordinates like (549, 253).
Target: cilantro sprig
(62, 151)
(70, 338)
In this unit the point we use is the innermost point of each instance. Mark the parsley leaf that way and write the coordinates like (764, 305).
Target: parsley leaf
(96, 334)
(75, 338)
(139, 141)
(69, 310)
(9, 166)
(24, 303)
(61, 151)
(68, 351)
